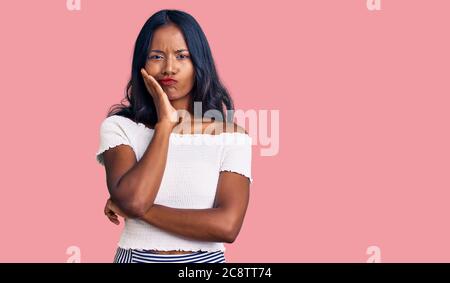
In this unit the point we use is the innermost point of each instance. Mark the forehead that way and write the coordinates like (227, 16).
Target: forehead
(168, 37)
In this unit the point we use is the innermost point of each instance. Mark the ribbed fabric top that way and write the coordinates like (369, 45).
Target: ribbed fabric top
(190, 179)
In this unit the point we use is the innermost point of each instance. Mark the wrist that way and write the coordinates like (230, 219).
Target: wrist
(147, 217)
(165, 126)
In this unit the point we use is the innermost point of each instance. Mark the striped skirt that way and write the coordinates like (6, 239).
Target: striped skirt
(143, 256)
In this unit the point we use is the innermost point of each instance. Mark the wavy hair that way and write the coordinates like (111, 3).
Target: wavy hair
(207, 87)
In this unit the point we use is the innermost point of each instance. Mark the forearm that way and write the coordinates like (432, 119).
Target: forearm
(210, 224)
(137, 189)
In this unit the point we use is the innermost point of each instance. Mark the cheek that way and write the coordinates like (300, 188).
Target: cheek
(152, 69)
(188, 83)
(190, 76)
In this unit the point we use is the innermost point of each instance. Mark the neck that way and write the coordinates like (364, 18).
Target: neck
(183, 103)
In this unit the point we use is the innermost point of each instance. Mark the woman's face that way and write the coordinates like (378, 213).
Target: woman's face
(168, 56)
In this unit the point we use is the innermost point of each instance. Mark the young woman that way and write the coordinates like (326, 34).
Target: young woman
(179, 178)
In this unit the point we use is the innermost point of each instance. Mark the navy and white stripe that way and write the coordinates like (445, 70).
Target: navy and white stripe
(142, 256)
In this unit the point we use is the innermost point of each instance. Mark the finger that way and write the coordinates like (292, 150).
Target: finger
(114, 209)
(106, 209)
(111, 214)
(152, 82)
(146, 77)
(144, 71)
(147, 82)
(115, 221)
(113, 218)
(156, 85)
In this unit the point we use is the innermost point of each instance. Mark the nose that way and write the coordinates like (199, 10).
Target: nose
(170, 66)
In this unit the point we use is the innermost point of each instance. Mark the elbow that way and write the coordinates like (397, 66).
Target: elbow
(132, 199)
(229, 240)
(139, 207)
(134, 208)
(230, 233)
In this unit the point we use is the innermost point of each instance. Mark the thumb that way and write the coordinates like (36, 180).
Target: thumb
(175, 117)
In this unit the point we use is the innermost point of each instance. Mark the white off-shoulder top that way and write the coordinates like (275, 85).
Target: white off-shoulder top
(190, 179)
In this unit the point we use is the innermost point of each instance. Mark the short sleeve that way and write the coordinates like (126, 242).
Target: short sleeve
(237, 155)
(113, 132)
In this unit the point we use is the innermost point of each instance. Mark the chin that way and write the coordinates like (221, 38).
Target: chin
(173, 96)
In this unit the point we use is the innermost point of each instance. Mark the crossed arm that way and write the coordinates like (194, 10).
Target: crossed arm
(133, 187)
(221, 223)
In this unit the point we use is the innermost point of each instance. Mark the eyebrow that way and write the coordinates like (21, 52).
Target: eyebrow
(177, 51)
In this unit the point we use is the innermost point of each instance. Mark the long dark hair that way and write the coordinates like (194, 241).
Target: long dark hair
(207, 87)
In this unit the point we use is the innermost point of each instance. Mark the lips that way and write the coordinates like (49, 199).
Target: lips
(168, 82)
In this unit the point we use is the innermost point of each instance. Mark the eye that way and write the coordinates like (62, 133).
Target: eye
(184, 56)
(154, 57)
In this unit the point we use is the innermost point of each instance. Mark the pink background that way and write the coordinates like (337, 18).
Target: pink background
(364, 124)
